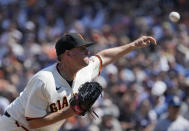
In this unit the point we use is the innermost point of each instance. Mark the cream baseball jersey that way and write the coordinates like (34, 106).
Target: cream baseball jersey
(88, 73)
(48, 92)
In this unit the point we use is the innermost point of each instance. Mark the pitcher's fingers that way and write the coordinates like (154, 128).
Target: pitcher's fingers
(153, 40)
(148, 42)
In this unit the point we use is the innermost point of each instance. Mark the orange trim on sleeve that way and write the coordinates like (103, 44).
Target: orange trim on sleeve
(100, 67)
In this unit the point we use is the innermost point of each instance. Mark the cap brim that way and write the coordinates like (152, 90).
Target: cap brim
(88, 44)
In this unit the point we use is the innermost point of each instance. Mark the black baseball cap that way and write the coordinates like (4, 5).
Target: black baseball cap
(69, 41)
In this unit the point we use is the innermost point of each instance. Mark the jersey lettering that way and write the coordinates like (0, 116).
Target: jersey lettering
(54, 107)
(59, 105)
(65, 102)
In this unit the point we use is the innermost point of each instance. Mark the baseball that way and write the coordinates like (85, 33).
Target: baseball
(174, 16)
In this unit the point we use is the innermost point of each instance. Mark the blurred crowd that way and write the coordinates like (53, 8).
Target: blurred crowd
(137, 89)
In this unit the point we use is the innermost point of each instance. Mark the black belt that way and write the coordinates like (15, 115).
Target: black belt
(7, 114)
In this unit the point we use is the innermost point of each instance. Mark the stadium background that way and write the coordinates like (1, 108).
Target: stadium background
(136, 88)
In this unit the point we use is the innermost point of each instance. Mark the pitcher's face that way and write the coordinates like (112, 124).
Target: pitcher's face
(80, 55)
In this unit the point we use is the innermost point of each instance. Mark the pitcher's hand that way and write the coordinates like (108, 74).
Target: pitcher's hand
(143, 41)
